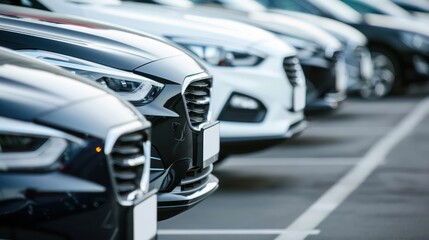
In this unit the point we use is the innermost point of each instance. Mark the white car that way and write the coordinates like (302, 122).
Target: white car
(358, 58)
(259, 88)
(320, 53)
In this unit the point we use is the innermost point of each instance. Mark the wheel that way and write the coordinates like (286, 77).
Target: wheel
(386, 79)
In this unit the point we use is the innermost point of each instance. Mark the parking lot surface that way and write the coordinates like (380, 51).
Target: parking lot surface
(360, 173)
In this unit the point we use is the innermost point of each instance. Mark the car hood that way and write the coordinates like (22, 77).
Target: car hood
(394, 23)
(54, 97)
(168, 22)
(106, 44)
(295, 28)
(271, 22)
(343, 32)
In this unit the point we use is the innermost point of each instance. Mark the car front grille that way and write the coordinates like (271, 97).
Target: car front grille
(293, 70)
(197, 98)
(359, 54)
(128, 157)
(336, 57)
(335, 60)
(195, 179)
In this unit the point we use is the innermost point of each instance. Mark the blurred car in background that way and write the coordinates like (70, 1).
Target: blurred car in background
(418, 8)
(319, 53)
(357, 56)
(259, 88)
(61, 153)
(161, 81)
(384, 7)
(398, 60)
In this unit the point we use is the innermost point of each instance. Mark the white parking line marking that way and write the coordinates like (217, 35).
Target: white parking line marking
(331, 199)
(279, 162)
(230, 232)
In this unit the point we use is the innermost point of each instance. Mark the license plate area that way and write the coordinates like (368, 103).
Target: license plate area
(299, 98)
(145, 219)
(208, 145)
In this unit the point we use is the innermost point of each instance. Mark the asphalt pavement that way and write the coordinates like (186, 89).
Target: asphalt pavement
(359, 173)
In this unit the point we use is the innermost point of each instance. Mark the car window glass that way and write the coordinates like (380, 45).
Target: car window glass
(413, 5)
(362, 7)
(410, 8)
(25, 3)
(383, 7)
(290, 5)
(266, 3)
(338, 10)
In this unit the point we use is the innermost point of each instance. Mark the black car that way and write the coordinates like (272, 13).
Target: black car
(398, 60)
(168, 86)
(63, 157)
(320, 54)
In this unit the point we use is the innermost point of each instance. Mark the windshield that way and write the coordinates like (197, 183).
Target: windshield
(242, 5)
(385, 7)
(99, 2)
(414, 5)
(178, 3)
(339, 10)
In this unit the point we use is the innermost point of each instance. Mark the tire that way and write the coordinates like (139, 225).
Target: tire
(387, 78)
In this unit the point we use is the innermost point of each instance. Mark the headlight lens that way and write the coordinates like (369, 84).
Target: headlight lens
(27, 146)
(221, 56)
(416, 41)
(305, 48)
(131, 87)
(16, 143)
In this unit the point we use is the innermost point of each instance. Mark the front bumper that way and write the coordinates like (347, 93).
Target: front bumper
(420, 69)
(359, 68)
(327, 84)
(268, 85)
(176, 202)
(78, 202)
(253, 144)
(294, 130)
(329, 102)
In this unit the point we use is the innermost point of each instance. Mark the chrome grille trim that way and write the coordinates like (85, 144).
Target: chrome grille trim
(197, 96)
(293, 69)
(195, 180)
(126, 148)
(336, 56)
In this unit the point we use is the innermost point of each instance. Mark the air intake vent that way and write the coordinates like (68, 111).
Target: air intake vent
(336, 57)
(128, 160)
(293, 70)
(195, 179)
(197, 97)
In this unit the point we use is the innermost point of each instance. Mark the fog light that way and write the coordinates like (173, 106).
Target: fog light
(243, 102)
(421, 65)
(242, 108)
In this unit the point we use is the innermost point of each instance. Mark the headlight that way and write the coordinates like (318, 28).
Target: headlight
(416, 41)
(222, 56)
(27, 146)
(131, 87)
(305, 48)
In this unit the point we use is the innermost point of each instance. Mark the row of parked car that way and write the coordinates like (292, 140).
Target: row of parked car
(112, 113)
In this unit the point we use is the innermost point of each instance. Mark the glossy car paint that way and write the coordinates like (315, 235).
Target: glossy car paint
(173, 140)
(74, 199)
(322, 80)
(358, 59)
(383, 32)
(266, 82)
